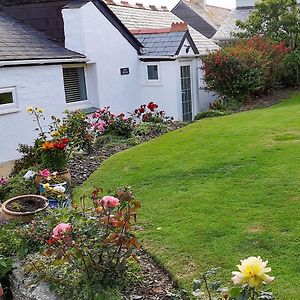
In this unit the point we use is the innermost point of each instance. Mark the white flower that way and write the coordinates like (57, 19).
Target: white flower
(29, 174)
(59, 189)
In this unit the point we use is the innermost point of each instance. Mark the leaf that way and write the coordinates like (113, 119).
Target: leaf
(215, 285)
(197, 284)
(235, 292)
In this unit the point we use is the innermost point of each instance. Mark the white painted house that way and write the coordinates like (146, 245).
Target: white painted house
(106, 54)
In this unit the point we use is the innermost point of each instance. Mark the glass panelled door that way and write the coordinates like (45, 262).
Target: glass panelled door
(186, 93)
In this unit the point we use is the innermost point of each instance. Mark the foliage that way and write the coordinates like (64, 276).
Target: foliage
(76, 126)
(219, 190)
(30, 158)
(277, 20)
(248, 68)
(150, 113)
(149, 129)
(85, 250)
(104, 122)
(17, 186)
(209, 114)
(291, 76)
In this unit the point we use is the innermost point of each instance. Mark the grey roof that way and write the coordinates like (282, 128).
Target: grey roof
(21, 42)
(161, 44)
(229, 26)
(134, 18)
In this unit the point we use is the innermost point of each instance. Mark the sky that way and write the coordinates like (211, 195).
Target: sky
(172, 3)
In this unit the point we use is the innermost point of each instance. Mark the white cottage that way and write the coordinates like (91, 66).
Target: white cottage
(95, 54)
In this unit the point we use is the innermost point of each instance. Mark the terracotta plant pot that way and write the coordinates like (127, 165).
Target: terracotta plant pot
(38, 203)
(64, 176)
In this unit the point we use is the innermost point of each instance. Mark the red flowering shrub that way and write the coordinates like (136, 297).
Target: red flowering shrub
(245, 69)
(150, 113)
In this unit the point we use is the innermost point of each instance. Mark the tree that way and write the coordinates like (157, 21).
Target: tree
(277, 20)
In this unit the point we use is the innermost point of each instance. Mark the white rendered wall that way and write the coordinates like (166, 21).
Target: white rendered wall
(89, 32)
(37, 86)
(165, 92)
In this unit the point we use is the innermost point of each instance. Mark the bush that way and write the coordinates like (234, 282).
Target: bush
(209, 114)
(248, 68)
(85, 251)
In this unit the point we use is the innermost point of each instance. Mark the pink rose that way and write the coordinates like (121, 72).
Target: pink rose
(96, 115)
(61, 229)
(45, 173)
(109, 201)
(125, 119)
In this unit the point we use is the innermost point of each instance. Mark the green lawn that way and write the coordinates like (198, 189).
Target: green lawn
(221, 190)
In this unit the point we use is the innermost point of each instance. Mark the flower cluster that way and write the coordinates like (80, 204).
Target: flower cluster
(57, 192)
(150, 113)
(104, 121)
(59, 144)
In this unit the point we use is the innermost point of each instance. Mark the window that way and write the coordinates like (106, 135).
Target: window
(74, 83)
(7, 98)
(152, 72)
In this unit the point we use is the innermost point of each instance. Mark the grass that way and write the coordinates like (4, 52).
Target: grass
(218, 191)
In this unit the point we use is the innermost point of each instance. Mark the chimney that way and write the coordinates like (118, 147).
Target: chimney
(201, 3)
(179, 26)
(245, 3)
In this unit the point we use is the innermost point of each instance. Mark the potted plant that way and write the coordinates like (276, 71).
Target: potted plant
(53, 145)
(23, 208)
(56, 195)
(45, 176)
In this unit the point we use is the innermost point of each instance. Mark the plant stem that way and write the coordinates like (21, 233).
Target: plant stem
(207, 288)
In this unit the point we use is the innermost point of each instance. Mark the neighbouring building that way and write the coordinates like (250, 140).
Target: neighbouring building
(243, 9)
(80, 54)
(204, 18)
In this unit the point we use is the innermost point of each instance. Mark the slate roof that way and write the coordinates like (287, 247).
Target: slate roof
(205, 20)
(134, 18)
(225, 31)
(164, 44)
(21, 42)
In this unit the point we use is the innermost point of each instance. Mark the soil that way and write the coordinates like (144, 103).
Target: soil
(29, 204)
(276, 96)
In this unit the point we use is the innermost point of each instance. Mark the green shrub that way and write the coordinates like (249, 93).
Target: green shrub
(209, 114)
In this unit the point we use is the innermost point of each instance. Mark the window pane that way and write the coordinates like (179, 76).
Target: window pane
(152, 72)
(6, 98)
(75, 86)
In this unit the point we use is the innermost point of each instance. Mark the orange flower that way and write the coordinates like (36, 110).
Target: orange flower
(47, 146)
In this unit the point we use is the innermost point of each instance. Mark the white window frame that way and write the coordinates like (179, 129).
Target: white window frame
(9, 107)
(152, 81)
(79, 104)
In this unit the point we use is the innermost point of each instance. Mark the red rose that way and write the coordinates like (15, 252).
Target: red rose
(142, 110)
